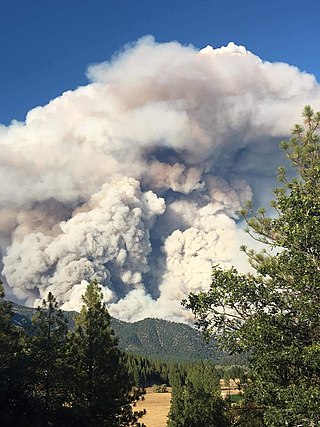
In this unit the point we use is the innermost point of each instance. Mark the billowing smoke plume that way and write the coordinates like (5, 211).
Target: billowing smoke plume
(136, 178)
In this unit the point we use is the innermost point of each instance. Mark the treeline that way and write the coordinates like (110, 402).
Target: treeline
(196, 395)
(196, 398)
(147, 372)
(51, 376)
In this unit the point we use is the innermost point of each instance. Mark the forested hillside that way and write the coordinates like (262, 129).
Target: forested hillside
(155, 338)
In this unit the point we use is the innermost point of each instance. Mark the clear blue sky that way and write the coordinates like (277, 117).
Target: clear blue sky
(46, 45)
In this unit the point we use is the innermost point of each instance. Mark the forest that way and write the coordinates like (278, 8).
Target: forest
(54, 374)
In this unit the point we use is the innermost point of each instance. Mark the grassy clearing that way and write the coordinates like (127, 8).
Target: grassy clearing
(157, 406)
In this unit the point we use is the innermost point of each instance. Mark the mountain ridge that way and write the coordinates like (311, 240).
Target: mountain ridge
(150, 337)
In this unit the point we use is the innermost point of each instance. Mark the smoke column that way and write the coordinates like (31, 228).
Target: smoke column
(136, 179)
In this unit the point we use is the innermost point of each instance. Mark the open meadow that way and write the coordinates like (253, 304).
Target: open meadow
(157, 406)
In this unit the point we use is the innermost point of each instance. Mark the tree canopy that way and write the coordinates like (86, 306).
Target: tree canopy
(103, 393)
(274, 313)
(51, 376)
(196, 400)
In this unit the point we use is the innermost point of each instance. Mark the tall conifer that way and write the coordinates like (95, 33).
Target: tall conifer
(103, 393)
(274, 313)
(46, 361)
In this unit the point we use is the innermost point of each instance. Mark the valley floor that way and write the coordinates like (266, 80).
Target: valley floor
(157, 406)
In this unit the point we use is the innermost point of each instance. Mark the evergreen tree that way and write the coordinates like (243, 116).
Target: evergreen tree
(274, 314)
(196, 402)
(7, 341)
(46, 361)
(11, 395)
(102, 388)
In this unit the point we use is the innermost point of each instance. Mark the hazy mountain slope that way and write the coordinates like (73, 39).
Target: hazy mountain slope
(160, 338)
(154, 338)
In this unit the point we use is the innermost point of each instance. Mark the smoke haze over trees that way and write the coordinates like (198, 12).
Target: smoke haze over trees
(136, 178)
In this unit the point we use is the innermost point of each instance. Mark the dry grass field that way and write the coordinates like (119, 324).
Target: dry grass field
(157, 406)
(232, 389)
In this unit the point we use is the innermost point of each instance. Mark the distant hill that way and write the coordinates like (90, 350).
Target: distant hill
(158, 338)
(153, 338)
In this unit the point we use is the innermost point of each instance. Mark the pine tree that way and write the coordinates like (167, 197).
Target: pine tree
(47, 368)
(16, 403)
(103, 393)
(7, 335)
(196, 401)
(10, 398)
(274, 314)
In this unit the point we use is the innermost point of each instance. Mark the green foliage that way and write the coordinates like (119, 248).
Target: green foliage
(13, 397)
(274, 314)
(46, 349)
(157, 338)
(102, 394)
(6, 331)
(159, 388)
(196, 400)
(147, 372)
(153, 339)
(52, 377)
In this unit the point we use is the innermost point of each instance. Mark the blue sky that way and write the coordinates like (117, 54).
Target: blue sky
(46, 46)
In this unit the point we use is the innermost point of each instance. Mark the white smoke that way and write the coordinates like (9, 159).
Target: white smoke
(136, 178)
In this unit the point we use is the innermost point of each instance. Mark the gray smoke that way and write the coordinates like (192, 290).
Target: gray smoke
(136, 179)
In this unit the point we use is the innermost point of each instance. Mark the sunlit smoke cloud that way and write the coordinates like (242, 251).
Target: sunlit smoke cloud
(136, 179)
